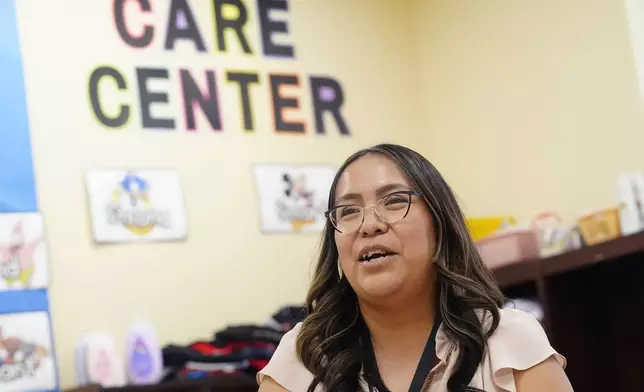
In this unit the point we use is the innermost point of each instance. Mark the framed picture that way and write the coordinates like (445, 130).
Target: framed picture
(24, 262)
(293, 198)
(26, 355)
(129, 205)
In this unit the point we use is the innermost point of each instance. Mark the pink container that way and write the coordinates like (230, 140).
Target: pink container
(508, 248)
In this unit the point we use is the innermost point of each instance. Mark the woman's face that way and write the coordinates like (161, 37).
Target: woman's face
(411, 240)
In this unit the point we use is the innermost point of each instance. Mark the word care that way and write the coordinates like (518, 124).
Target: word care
(113, 95)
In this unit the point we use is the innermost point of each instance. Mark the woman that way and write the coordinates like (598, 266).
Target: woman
(401, 299)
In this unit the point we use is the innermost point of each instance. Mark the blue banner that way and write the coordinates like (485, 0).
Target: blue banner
(17, 185)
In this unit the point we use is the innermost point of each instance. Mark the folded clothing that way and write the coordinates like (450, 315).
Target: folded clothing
(286, 318)
(248, 333)
(241, 348)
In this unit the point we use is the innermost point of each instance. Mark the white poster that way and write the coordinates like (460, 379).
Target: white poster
(26, 358)
(293, 198)
(145, 205)
(24, 262)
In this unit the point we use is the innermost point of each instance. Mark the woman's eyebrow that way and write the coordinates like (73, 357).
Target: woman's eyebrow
(382, 191)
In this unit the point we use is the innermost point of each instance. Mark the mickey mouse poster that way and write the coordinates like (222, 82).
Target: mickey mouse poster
(293, 198)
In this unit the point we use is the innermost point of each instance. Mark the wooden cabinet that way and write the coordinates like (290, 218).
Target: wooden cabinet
(593, 302)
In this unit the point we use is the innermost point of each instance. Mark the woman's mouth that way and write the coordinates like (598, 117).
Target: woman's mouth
(375, 257)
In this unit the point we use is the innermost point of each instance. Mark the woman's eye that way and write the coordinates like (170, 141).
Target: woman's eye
(349, 211)
(395, 200)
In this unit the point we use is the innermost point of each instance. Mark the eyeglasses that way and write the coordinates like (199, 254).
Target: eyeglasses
(391, 209)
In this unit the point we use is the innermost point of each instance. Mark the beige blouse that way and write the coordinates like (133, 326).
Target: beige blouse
(518, 343)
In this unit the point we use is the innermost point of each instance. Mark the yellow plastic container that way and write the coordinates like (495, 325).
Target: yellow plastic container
(484, 226)
(600, 226)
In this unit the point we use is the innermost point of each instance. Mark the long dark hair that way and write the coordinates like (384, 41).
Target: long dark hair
(329, 341)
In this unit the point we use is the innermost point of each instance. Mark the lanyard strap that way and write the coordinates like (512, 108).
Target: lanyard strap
(425, 365)
(427, 360)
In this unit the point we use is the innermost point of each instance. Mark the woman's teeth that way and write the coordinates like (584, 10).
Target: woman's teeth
(373, 257)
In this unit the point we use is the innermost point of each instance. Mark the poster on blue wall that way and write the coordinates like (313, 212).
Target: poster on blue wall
(24, 262)
(26, 360)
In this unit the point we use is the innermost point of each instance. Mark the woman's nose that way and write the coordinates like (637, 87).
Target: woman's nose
(372, 223)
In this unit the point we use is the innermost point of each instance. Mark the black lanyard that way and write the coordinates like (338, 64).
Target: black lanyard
(425, 365)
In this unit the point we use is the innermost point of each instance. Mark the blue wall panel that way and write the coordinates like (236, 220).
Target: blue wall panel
(17, 184)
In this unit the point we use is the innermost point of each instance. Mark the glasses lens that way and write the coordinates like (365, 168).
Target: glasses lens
(346, 218)
(394, 207)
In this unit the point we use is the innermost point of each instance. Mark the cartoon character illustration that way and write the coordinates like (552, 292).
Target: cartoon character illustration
(132, 192)
(298, 207)
(23, 358)
(17, 259)
(296, 188)
(131, 207)
(136, 188)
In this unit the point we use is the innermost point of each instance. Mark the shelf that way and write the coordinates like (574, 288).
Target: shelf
(513, 274)
(609, 250)
(532, 269)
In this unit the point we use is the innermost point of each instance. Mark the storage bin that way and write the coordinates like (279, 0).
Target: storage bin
(506, 248)
(485, 226)
(600, 226)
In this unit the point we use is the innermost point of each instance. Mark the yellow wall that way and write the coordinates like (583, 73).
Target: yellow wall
(517, 103)
(226, 272)
(530, 105)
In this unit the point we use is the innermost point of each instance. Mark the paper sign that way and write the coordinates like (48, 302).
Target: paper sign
(26, 359)
(128, 206)
(23, 254)
(293, 198)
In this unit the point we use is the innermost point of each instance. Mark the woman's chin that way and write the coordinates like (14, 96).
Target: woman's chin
(377, 287)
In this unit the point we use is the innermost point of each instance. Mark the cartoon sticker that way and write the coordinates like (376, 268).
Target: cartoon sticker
(26, 360)
(23, 256)
(293, 198)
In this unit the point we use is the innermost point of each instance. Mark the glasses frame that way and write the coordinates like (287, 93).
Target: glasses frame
(327, 214)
